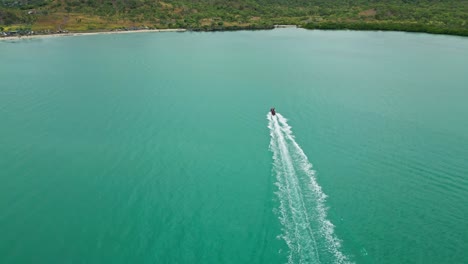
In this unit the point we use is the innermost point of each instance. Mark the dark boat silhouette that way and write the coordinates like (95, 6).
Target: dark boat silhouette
(272, 110)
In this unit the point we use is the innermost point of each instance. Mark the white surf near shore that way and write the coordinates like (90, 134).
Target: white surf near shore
(306, 230)
(92, 33)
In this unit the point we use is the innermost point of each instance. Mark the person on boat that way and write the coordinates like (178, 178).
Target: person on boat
(272, 110)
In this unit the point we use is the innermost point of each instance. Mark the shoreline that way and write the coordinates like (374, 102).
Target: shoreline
(108, 32)
(91, 33)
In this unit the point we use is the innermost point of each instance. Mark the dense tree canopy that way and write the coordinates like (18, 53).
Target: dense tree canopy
(435, 16)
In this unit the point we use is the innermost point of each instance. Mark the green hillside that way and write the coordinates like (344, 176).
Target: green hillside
(445, 16)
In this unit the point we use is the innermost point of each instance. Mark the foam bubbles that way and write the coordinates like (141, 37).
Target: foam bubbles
(306, 230)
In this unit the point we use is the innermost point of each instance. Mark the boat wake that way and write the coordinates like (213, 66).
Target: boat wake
(302, 212)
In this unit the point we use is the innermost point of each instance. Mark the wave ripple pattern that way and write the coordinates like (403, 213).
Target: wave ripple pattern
(302, 211)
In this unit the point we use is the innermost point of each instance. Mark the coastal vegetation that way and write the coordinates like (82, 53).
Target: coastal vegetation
(47, 16)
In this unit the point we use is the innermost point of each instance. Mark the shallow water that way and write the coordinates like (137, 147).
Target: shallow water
(155, 148)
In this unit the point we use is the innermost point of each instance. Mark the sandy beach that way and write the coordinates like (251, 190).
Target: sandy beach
(91, 33)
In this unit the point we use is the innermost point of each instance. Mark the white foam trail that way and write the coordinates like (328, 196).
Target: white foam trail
(306, 230)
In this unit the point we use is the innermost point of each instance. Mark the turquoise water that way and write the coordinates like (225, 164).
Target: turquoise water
(158, 148)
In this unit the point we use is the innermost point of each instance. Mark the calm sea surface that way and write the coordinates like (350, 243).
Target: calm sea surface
(157, 148)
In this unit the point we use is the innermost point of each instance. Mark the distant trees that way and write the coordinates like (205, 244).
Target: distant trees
(8, 17)
(394, 26)
(441, 16)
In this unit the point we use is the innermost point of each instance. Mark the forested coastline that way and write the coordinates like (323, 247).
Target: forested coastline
(49, 16)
